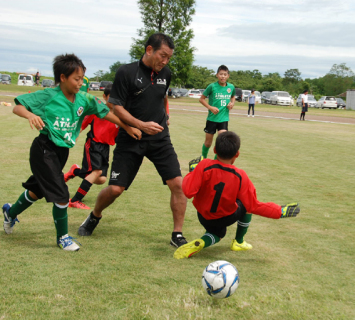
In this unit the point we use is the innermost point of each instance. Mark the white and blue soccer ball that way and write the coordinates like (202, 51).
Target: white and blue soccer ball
(220, 279)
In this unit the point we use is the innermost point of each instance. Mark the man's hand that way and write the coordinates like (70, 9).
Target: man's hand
(214, 110)
(194, 162)
(151, 128)
(290, 210)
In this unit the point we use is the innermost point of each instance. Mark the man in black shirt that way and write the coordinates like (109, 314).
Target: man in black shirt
(139, 98)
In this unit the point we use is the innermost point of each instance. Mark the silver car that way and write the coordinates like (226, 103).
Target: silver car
(312, 102)
(327, 102)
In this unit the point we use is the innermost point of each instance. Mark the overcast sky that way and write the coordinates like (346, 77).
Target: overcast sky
(268, 35)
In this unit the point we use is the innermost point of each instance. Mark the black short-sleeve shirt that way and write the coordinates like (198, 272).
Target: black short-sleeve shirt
(141, 92)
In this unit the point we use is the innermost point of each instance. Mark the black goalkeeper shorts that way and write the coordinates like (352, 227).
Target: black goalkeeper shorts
(212, 127)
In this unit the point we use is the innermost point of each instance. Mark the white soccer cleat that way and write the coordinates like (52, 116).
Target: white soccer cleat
(67, 243)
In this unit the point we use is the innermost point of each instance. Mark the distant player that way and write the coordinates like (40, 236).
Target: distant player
(221, 98)
(223, 194)
(57, 113)
(304, 97)
(86, 84)
(96, 155)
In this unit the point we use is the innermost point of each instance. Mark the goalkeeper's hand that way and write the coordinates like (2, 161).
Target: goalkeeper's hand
(290, 210)
(193, 163)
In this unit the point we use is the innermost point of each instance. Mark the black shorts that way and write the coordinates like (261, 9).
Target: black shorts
(128, 156)
(47, 162)
(212, 126)
(305, 108)
(219, 226)
(96, 157)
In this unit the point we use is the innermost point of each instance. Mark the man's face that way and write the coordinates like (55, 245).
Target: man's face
(158, 59)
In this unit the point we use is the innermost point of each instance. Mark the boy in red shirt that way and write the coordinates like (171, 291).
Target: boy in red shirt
(96, 155)
(223, 194)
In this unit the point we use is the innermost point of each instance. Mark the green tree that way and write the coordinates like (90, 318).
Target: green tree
(171, 17)
(114, 67)
(292, 76)
(338, 79)
(200, 77)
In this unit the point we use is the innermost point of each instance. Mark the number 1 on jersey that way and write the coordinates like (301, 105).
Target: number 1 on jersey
(219, 189)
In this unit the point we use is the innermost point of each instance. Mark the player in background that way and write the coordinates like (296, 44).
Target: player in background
(222, 195)
(304, 104)
(96, 155)
(86, 84)
(221, 98)
(57, 113)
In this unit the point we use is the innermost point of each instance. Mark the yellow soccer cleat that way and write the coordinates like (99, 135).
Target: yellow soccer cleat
(235, 246)
(189, 249)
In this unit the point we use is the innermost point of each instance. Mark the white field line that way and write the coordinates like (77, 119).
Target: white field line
(262, 116)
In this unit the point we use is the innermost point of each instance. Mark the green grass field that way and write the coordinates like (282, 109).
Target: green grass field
(300, 268)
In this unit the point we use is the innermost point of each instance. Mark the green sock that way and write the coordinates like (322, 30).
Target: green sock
(204, 151)
(243, 225)
(60, 217)
(215, 156)
(22, 203)
(210, 239)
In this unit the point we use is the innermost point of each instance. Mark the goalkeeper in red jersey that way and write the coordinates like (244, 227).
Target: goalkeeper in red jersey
(223, 194)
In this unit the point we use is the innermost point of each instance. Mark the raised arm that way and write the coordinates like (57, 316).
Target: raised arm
(34, 120)
(133, 132)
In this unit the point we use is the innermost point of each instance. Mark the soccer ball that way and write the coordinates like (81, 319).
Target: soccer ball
(220, 279)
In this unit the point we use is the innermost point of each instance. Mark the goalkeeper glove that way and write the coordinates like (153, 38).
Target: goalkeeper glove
(290, 210)
(193, 163)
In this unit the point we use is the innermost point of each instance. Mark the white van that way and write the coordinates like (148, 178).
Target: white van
(280, 97)
(25, 80)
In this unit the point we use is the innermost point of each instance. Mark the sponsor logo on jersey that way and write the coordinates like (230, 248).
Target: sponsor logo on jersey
(80, 111)
(140, 80)
(114, 175)
(161, 81)
(64, 124)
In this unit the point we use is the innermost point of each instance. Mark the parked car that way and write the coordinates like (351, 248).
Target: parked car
(257, 97)
(265, 97)
(312, 102)
(183, 92)
(94, 86)
(104, 84)
(238, 94)
(281, 98)
(174, 93)
(245, 95)
(25, 80)
(5, 79)
(47, 83)
(327, 102)
(194, 93)
(341, 103)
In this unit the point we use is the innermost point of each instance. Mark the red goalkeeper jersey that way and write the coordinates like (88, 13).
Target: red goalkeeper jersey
(103, 131)
(215, 186)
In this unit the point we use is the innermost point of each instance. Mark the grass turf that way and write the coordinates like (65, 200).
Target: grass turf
(300, 268)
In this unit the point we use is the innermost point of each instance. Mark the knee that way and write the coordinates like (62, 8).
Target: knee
(100, 180)
(175, 185)
(115, 191)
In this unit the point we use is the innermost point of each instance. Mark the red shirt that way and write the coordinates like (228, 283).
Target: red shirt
(103, 131)
(215, 187)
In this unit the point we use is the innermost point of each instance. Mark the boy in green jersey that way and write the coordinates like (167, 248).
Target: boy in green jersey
(57, 113)
(221, 98)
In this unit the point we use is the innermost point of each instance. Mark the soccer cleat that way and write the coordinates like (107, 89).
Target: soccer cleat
(9, 222)
(235, 246)
(178, 241)
(78, 205)
(290, 210)
(68, 243)
(189, 249)
(88, 226)
(70, 174)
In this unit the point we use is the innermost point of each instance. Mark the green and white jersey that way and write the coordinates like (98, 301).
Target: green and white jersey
(219, 97)
(85, 85)
(61, 117)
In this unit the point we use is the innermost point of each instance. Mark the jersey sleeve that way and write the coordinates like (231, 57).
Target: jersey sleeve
(247, 195)
(120, 88)
(208, 90)
(233, 92)
(87, 120)
(95, 106)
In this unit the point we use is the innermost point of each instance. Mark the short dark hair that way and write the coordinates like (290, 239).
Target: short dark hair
(227, 145)
(157, 39)
(107, 90)
(66, 64)
(305, 91)
(222, 67)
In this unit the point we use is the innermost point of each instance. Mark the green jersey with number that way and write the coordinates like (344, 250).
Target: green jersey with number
(62, 118)
(85, 85)
(219, 97)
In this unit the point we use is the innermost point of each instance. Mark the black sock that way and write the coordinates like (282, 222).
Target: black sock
(76, 172)
(82, 191)
(175, 234)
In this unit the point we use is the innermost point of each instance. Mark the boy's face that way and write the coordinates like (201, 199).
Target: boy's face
(222, 76)
(109, 104)
(73, 83)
